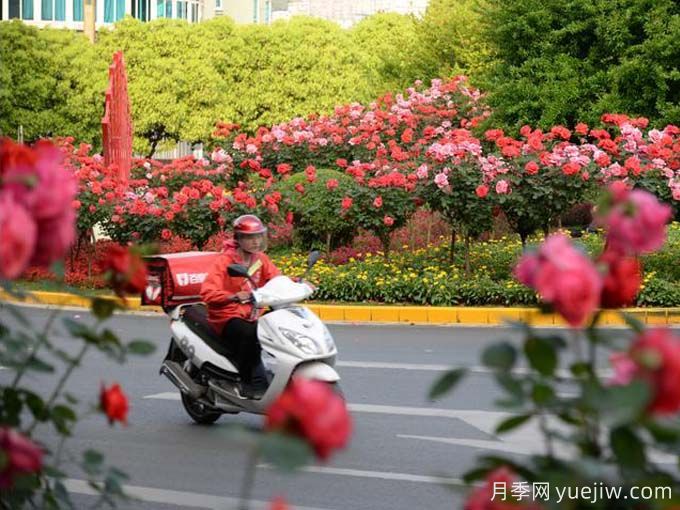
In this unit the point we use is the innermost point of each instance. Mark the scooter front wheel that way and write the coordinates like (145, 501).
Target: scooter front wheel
(199, 412)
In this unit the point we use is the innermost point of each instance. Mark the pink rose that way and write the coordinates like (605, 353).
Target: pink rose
(46, 188)
(564, 277)
(636, 221)
(346, 203)
(502, 187)
(378, 202)
(18, 234)
(388, 221)
(55, 236)
(441, 180)
(331, 184)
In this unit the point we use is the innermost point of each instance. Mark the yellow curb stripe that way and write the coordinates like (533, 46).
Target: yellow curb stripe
(400, 314)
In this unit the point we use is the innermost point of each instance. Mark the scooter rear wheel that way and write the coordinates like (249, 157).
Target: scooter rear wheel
(200, 413)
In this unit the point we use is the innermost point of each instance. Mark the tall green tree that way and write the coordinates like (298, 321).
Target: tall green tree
(293, 68)
(393, 51)
(51, 83)
(450, 34)
(564, 61)
(174, 91)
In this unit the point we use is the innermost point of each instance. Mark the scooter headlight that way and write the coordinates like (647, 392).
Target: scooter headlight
(302, 342)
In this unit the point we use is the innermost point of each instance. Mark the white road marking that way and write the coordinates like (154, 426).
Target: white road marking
(475, 369)
(180, 499)
(462, 414)
(382, 475)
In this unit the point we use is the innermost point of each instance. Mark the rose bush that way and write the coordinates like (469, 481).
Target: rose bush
(606, 431)
(37, 226)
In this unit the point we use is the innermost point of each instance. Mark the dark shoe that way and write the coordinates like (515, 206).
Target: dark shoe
(252, 391)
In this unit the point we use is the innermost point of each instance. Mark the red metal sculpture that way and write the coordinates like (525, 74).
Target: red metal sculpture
(117, 123)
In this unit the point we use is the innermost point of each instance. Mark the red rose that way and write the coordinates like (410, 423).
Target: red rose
(655, 357)
(127, 272)
(346, 203)
(279, 503)
(283, 168)
(114, 403)
(311, 410)
(622, 280)
(496, 493)
(531, 168)
(482, 190)
(22, 456)
(331, 184)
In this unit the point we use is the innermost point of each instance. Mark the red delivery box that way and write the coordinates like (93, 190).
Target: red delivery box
(176, 278)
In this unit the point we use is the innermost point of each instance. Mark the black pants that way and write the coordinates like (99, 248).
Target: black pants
(241, 338)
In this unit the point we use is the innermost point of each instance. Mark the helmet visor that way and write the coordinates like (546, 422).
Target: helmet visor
(252, 243)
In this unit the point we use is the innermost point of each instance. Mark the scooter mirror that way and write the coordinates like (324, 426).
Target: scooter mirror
(313, 258)
(237, 270)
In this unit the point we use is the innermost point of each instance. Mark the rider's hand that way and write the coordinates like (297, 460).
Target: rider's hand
(243, 296)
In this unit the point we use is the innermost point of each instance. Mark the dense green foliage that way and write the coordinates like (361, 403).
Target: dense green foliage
(564, 61)
(543, 62)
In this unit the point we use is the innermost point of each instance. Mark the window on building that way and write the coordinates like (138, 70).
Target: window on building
(194, 12)
(218, 5)
(53, 10)
(77, 10)
(256, 8)
(141, 9)
(20, 9)
(164, 8)
(181, 10)
(113, 10)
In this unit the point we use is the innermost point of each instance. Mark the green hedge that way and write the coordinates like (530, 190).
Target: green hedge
(426, 277)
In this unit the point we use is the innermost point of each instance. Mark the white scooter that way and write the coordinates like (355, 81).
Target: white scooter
(295, 343)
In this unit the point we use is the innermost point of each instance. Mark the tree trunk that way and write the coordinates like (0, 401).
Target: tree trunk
(452, 246)
(428, 236)
(328, 243)
(467, 254)
(385, 240)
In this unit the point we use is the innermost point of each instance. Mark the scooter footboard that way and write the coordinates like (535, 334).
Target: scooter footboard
(317, 371)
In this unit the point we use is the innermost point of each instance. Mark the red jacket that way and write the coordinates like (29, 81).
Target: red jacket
(218, 287)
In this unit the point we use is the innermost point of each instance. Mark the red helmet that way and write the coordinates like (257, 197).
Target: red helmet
(248, 224)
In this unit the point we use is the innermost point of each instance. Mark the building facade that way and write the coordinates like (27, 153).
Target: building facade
(69, 13)
(349, 12)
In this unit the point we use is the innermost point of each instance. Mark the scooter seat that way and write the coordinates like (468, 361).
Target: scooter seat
(196, 319)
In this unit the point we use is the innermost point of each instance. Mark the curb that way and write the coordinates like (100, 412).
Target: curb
(478, 316)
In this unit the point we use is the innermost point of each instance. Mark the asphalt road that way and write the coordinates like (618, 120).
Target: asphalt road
(403, 450)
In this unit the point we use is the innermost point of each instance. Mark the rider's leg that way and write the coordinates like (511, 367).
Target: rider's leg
(242, 335)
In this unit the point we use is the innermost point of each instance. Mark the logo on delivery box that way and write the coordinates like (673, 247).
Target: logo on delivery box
(184, 279)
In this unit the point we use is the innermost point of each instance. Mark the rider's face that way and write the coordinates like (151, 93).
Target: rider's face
(252, 243)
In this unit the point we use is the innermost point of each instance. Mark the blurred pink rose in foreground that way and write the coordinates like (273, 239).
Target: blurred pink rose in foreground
(635, 222)
(22, 456)
(17, 237)
(37, 220)
(312, 411)
(564, 277)
(654, 357)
